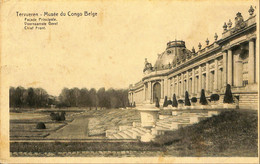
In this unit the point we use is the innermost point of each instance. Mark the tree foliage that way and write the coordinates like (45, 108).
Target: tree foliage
(32, 97)
(37, 97)
(110, 98)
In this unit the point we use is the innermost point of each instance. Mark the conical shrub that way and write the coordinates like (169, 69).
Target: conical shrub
(174, 101)
(187, 100)
(228, 98)
(40, 125)
(203, 100)
(165, 103)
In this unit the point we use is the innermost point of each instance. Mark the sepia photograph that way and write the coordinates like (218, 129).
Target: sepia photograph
(129, 81)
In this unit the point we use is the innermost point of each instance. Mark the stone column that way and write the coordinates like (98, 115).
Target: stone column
(132, 97)
(251, 63)
(200, 78)
(238, 69)
(229, 68)
(207, 78)
(257, 65)
(182, 85)
(215, 87)
(177, 88)
(169, 88)
(149, 95)
(152, 92)
(162, 89)
(165, 86)
(187, 81)
(193, 82)
(224, 69)
(173, 86)
(144, 94)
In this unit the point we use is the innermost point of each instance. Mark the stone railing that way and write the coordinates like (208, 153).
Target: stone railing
(250, 21)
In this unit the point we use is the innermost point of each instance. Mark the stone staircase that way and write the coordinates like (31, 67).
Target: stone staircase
(130, 133)
(164, 124)
(248, 101)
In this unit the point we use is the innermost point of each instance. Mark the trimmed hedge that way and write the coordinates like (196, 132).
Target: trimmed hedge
(228, 98)
(194, 99)
(40, 125)
(214, 97)
(187, 100)
(169, 102)
(165, 103)
(57, 116)
(180, 101)
(203, 100)
(174, 101)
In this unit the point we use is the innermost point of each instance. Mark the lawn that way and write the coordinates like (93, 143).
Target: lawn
(232, 133)
(81, 146)
(23, 123)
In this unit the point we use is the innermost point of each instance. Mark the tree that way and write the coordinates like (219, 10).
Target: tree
(187, 100)
(228, 98)
(103, 98)
(165, 103)
(203, 99)
(84, 98)
(64, 98)
(31, 97)
(19, 97)
(12, 97)
(93, 97)
(174, 101)
(40, 97)
(75, 94)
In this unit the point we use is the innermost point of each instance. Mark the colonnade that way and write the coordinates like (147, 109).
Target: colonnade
(212, 76)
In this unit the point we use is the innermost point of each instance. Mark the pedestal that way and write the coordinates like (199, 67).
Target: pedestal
(149, 115)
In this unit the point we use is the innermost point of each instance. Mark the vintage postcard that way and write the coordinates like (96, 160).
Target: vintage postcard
(129, 81)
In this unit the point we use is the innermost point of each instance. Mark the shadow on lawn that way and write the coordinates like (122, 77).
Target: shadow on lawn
(231, 133)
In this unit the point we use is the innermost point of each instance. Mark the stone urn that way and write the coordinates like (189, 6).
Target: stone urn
(149, 115)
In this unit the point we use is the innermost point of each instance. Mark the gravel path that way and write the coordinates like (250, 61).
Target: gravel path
(77, 129)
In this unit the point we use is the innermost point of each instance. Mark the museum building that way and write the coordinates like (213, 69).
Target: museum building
(232, 59)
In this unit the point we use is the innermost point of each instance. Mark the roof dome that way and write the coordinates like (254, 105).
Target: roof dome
(175, 52)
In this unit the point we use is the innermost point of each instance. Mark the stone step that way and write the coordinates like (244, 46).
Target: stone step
(143, 129)
(111, 137)
(165, 126)
(139, 131)
(124, 135)
(129, 132)
(159, 127)
(118, 136)
(164, 123)
(135, 133)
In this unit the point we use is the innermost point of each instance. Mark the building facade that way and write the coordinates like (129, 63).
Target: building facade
(232, 59)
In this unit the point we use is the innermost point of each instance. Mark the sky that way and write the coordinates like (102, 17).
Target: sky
(108, 50)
